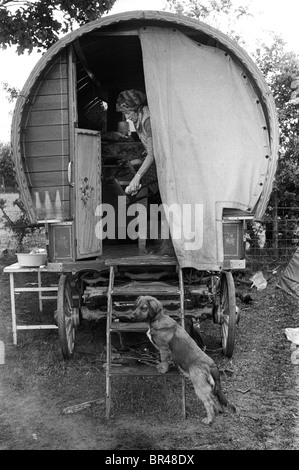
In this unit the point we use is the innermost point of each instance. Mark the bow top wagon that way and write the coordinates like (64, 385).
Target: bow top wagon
(215, 137)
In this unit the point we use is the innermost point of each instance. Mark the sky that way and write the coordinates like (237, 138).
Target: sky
(280, 16)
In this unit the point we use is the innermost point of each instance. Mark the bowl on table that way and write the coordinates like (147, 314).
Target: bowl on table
(32, 260)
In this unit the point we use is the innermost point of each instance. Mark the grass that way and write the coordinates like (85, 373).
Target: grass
(146, 411)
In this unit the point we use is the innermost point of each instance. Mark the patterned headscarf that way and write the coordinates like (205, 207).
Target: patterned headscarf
(130, 100)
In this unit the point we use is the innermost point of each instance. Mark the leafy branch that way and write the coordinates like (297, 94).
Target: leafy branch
(20, 226)
(38, 24)
(12, 92)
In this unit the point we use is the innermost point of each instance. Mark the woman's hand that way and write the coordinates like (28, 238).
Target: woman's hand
(134, 185)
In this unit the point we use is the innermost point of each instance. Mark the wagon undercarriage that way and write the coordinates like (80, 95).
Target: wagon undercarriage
(201, 295)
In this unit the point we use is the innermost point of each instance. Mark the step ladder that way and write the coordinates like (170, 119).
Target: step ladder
(135, 289)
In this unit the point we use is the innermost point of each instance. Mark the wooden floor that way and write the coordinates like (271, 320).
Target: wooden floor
(124, 255)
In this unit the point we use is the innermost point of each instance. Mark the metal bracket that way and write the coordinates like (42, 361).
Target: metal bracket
(57, 267)
(237, 264)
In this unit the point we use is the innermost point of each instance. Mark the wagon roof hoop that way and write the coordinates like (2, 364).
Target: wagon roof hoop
(153, 17)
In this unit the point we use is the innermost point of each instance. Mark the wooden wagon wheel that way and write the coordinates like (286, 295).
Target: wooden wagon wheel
(224, 311)
(229, 316)
(67, 317)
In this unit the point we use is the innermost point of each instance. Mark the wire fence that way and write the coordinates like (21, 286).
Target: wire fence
(276, 238)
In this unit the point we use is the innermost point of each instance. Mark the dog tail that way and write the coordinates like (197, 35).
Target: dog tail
(218, 392)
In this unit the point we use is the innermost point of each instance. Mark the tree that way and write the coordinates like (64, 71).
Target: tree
(281, 70)
(29, 24)
(221, 14)
(7, 173)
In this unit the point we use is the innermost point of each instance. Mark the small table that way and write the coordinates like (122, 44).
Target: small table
(15, 269)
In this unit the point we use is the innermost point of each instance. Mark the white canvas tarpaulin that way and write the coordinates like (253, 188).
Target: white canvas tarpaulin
(210, 143)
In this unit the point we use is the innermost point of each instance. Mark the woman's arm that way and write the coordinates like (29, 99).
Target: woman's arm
(134, 185)
(145, 165)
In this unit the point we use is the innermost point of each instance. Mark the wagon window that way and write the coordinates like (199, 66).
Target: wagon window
(92, 113)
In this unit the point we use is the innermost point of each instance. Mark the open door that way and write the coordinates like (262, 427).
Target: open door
(87, 166)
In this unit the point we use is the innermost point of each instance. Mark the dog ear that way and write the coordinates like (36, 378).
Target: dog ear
(155, 306)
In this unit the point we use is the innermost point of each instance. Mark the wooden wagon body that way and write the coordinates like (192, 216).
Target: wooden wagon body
(70, 159)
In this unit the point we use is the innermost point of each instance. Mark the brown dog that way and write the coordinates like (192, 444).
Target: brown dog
(174, 343)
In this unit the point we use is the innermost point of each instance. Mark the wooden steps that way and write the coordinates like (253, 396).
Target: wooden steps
(133, 290)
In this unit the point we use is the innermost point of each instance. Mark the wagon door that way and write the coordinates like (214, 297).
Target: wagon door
(87, 192)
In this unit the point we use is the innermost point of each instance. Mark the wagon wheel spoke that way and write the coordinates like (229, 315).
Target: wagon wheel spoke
(70, 334)
(225, 330)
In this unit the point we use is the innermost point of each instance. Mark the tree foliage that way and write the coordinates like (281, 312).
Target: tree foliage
(20, 226)
(7, 173)
(221, 14)
(39, 23)
(281, 70)
(206, 9)
(11, 92)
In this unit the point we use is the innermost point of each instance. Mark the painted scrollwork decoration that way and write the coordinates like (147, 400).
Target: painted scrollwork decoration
(86, 190)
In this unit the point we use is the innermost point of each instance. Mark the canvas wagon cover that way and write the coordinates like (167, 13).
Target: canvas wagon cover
(210, 139)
